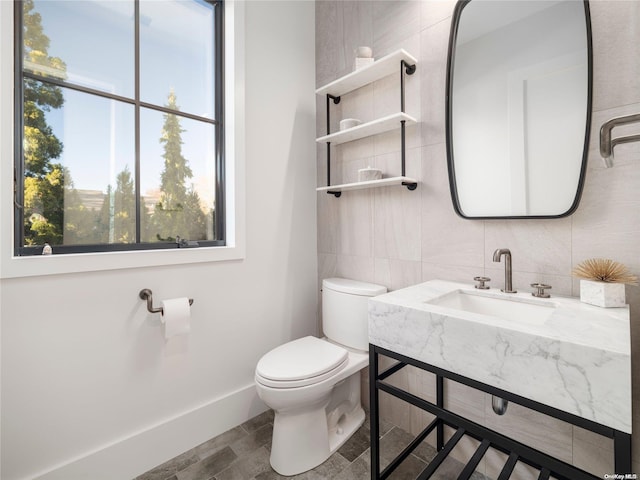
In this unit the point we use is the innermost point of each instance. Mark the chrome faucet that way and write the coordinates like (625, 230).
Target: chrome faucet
(607, 143)
(508, 280)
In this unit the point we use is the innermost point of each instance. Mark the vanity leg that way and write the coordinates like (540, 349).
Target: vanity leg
(374, 413)
(440, 403)
(622, 452)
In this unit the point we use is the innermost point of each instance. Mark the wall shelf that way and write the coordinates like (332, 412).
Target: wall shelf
(336, 190)
(381, 68)
(380, 125)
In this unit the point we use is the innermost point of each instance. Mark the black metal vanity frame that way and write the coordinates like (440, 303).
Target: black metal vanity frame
(516, 451)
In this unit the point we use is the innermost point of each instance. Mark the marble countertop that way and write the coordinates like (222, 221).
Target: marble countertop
(578, 360)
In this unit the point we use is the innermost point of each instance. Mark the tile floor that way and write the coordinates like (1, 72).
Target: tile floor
(242, 453)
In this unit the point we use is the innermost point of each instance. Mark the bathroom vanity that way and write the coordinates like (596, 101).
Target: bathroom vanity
(555, 355)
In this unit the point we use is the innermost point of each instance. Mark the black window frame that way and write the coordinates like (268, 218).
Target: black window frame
(20, 250)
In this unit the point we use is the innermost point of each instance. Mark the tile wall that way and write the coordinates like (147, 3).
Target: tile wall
(397, 238)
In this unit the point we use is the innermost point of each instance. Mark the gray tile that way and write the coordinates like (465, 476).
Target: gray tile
(237, 455)
(335, 464)
(231, 473)
(433, 74)
(479, 476)
(330, 469)
(615, 52)
(253, 441)
(409, 469)
(393, 22)
(217, 443)
(271, 475)
(384, 426)
(327, 41)
(357, 30)
(209, 466)
(162, 472)
(247, 466)
(255, 423)
(449, 469)
(425, 452)
(356, 445)
(360, 469)
(392, 444)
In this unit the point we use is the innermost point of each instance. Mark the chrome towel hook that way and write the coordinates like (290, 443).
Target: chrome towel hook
(146, 294)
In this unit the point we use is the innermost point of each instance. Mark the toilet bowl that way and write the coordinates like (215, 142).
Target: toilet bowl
(314, 415)
(313, 384)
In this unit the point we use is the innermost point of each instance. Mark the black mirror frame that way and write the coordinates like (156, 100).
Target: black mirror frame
(455, 21)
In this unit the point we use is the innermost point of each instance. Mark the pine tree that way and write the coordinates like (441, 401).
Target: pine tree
(80, 222)
(44, 183)
(117, 221)
(179, 211)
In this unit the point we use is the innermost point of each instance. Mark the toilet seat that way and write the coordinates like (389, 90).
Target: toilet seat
(301, 362)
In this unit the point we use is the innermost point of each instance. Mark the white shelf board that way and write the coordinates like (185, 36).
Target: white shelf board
(380, 125)
(379, 69)
(383, 182)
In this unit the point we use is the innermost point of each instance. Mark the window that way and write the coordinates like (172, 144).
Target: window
(119, 117)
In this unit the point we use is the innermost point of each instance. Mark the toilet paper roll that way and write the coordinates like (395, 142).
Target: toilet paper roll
(176, 316)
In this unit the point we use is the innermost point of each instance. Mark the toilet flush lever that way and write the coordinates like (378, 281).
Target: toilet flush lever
(146, 294)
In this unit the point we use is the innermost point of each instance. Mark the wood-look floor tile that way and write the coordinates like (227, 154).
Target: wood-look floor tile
(356, 445)
(253, 441)
(261, 420)
(164, 471)
(208, 467)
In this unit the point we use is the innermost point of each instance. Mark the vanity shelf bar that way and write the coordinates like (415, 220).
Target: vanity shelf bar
(516, 451)
(361, 77)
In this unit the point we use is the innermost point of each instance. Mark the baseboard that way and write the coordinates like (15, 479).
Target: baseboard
(129, 457)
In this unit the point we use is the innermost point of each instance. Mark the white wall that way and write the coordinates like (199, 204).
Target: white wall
(89, 387)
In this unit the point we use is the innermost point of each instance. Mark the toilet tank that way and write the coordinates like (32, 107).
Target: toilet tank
(344, 311)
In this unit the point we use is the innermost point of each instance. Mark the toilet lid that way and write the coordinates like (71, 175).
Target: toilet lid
(301, 359)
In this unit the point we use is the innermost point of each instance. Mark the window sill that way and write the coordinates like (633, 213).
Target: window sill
(14, 267)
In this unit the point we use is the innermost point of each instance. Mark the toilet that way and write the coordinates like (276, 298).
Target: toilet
(313, 384)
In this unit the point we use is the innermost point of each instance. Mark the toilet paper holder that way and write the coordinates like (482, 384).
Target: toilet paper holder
(146, 294)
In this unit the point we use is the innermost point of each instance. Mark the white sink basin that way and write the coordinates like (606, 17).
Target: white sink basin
(502, 307)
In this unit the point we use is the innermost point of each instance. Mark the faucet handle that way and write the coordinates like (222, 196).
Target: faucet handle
(481, 285)
(540, 290)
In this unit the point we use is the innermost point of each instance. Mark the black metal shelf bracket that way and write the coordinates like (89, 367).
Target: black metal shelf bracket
(336, 101)
(409, 69)
(545, 464)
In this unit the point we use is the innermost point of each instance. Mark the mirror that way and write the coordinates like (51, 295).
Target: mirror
(519, 84)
